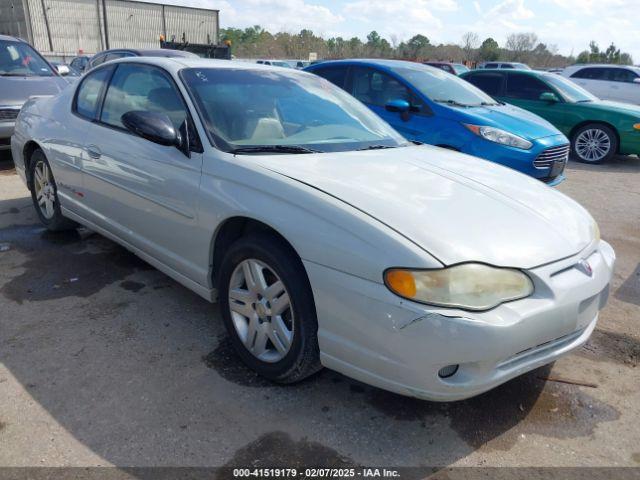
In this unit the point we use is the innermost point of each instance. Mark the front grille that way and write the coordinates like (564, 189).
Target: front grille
(551, 155)
(9, 113)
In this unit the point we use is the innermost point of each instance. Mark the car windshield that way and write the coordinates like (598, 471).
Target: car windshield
(571, 92)
(21, 60)
(459, 68)
(443, 87)
(252, 109)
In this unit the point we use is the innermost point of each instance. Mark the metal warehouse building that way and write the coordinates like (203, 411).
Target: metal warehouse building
(62, 28)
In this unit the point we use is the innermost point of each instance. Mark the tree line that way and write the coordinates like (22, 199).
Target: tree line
(257, 42)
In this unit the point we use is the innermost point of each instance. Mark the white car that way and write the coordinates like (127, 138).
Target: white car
(505, 65)
(327, 238)
(619, 83)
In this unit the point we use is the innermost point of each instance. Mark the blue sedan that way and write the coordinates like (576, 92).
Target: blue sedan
(429, 105)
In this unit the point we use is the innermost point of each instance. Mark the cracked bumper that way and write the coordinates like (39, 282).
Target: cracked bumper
(368, 333)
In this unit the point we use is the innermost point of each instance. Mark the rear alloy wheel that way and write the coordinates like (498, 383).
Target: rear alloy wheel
(594, 143)
(268, 309)
(44, 194)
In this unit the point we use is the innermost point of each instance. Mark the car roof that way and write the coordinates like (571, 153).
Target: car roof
(10, 38)
(378, 62)
(175, 64)
(151, 52)
(504, 71)
(607, 65)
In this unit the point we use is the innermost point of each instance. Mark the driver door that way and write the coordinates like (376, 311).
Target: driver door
(376, 88)
(144, 192)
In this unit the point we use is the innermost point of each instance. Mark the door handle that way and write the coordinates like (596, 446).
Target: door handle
(93, 151)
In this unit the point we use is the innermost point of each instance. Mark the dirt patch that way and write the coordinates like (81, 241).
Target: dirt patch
(58, 265)
(636, 457)
(629, 291)
(496, 419)
(278, 449)
(605, 346)
(528, 405)
(226, 362)
(132, 286)
(2, 426)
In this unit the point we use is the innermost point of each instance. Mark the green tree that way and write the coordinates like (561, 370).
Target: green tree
(417, 47)
(626, 59)
(583, 57)
(489, 50)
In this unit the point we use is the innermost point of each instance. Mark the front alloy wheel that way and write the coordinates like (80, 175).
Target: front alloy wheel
(261, 310)
(268, 309)
(594, 143)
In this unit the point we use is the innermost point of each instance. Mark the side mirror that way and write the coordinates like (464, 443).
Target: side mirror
(400, 106)
(153, 126)
(636, 80)
(549, 97)
(63, 70)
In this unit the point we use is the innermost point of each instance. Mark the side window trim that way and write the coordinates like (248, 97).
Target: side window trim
(101, 95)
(196, 144)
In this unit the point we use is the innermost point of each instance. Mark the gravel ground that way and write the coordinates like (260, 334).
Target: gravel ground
(106, 361)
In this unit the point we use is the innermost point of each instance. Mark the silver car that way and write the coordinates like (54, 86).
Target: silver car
(23, 73)
(326, 237)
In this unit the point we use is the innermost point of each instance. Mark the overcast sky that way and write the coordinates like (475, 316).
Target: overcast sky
(570, 24)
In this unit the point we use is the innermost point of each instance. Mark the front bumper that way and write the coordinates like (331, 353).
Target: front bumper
(630, 143)
(6, 130)
(518, 159)
(368, 333)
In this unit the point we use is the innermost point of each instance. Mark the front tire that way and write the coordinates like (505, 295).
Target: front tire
(594, 143)
(44, 194)
(268, 309)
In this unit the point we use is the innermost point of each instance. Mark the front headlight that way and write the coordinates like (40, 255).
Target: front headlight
(500, 136)
(469, 286)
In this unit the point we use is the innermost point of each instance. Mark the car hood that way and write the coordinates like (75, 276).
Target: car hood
(456, 207)
(510, 118)
(17, 90)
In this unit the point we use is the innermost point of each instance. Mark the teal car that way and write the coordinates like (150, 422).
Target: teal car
(597, 129)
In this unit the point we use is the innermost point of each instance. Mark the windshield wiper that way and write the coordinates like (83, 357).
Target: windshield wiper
(452, 102)
(375, 147)
(491, 104)
(584, 101)
(15, 74)
(273, 149)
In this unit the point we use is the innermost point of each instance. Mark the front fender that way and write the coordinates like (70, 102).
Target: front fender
(321, 228)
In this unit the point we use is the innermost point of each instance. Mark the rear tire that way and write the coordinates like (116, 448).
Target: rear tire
(44, 194)
(594, 143)
(268, 308)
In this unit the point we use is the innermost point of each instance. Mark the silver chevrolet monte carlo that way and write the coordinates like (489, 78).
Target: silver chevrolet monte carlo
(327, 238)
